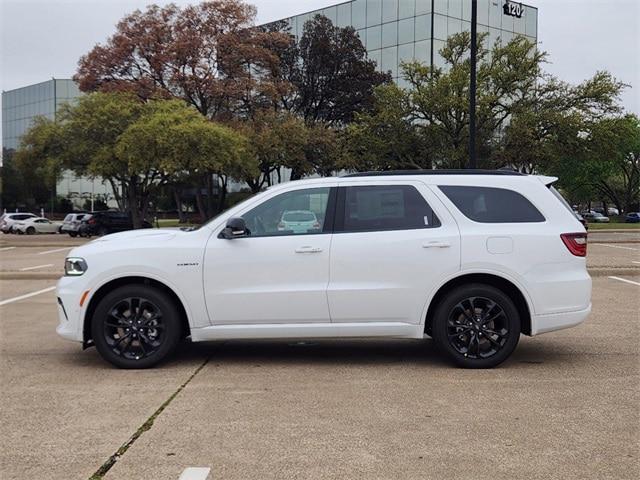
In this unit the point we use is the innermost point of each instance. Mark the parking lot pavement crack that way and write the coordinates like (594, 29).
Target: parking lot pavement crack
(147, 425)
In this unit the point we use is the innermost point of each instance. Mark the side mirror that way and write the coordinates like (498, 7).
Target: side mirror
(236, 228)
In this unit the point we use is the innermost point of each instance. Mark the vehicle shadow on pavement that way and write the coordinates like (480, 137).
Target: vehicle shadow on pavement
(359, 352)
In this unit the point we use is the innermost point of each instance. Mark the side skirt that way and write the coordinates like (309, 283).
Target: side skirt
(308, 330)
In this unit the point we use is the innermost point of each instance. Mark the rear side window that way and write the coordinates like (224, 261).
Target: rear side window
(385, 207)
(492, 205)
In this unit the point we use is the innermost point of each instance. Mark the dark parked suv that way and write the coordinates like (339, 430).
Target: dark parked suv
(106, 222)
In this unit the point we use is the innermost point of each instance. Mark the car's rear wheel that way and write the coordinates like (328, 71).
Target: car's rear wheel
(73, 234)
(477, 326)
(136, 326)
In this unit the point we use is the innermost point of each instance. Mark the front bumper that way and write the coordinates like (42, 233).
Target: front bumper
(69, 291)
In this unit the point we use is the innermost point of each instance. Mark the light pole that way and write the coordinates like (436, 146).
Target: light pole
(473, 163)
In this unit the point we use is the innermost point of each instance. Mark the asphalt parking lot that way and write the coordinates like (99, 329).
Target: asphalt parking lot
(566, 405)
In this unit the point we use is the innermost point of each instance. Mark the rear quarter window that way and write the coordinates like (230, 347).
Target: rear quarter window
(492, 205)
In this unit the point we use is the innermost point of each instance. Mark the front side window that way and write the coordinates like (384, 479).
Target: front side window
(492, 205)
(300, 212)
(385, 207)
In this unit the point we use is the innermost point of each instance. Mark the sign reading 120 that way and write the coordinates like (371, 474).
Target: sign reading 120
(513, 9)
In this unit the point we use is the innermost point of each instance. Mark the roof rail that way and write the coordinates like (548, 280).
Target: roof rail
(391, 173)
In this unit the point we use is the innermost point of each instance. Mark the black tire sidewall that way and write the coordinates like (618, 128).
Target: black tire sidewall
(171, 320)
(476, 290)
(31, 231)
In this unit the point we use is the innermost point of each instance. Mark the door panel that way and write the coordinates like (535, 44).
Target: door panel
(275, 275)
(387, 275)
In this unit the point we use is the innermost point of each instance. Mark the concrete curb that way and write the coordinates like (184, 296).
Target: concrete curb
(30, 275)
(606, 271)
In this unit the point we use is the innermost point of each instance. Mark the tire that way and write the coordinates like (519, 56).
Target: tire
(73, 234)
(476, 326)
(102, 232)
(31, 231)
(118, 334)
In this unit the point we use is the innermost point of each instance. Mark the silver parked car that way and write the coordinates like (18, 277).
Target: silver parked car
(71, 223)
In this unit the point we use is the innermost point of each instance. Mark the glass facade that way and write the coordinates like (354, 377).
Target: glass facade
(22, 105)
(394, 31)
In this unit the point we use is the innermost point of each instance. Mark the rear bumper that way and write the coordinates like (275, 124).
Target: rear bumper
(558, 321)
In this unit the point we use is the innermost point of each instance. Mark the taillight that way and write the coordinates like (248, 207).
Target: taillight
(91, 221)
(576, 243)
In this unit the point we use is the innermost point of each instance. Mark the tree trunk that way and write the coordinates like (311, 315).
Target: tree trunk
(133, 203)
(200, 204)
(209, 184)
(178, 200)
(223, 180)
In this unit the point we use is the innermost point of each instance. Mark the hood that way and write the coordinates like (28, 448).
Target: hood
(151, 234)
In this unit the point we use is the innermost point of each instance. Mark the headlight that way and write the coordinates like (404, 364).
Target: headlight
(74, 267)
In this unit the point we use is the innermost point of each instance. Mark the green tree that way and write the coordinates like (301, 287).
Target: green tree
(387, 138)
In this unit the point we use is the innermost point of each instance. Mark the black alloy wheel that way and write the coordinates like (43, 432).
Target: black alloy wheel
(478, 326)
(136, 326)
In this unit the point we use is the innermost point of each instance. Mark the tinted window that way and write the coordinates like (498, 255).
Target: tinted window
(298, 212)
(492, 205)
(388, 207)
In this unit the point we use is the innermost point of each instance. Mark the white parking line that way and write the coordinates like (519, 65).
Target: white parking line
(635, 262)
(36, 267)
(195, 473)
(55, 251)
(625, 280)
(27, 295)
(6, 248)
(616, 246)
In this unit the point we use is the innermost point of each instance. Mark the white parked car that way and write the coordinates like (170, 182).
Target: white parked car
(71, 223)
(8, 220)
(35, 225)
(299, 221)
(472, 259)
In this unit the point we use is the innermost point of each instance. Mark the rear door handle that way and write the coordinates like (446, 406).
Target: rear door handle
(308, 250)
(436, 245)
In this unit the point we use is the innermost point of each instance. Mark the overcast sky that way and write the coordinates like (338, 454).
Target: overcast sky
(41, 39)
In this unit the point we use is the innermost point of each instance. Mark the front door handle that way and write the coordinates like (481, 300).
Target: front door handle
(308, 250)
(436, 245)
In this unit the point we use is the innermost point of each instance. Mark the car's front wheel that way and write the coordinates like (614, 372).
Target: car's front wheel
(31, 231)
(136, 326)
(477, 326)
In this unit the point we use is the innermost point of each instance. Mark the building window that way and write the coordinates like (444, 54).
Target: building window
(389, 11)
(374, 12)
(440, 27)
(390, 34)
(359, 14)
(344, 15)
(406, 31)
(423, 27)
(406, 8)
(390, 60)
(374, 38)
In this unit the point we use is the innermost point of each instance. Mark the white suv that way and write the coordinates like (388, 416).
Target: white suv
(470, 258)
